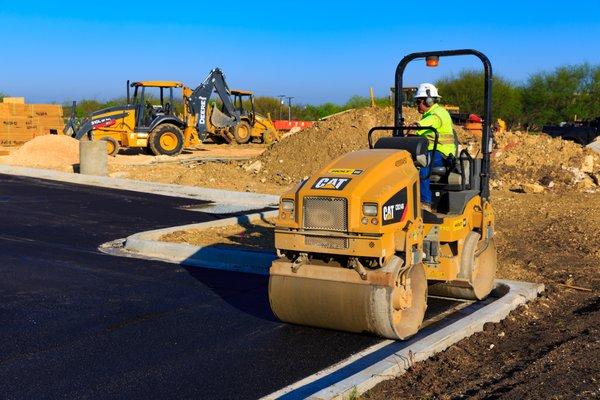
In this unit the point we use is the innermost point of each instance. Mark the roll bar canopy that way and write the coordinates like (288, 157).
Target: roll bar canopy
(487, 136)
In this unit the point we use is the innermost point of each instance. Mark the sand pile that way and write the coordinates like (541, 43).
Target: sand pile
(302, 154)
(49, 151)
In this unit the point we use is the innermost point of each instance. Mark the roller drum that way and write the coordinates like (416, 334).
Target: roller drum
(337, 298)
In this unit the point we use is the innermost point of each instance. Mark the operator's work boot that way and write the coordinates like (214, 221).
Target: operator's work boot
(426, 207)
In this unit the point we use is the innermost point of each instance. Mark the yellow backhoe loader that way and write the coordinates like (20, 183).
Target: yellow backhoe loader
(262, 128)
(155, 123)
(358, 253)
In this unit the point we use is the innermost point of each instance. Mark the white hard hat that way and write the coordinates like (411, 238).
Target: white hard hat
(427, 90)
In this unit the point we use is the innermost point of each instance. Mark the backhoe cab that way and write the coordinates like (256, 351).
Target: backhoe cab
(356, 250)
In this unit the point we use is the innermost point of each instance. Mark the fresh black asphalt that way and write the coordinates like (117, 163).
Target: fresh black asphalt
(77, 323)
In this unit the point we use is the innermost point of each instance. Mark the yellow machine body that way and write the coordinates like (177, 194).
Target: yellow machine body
(264, 129)
(343, 269)
(123, 130)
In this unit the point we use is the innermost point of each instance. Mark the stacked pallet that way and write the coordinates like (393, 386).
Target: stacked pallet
(20, 122)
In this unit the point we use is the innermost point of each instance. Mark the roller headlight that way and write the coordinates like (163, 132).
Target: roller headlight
(287, 205)
(370, 209)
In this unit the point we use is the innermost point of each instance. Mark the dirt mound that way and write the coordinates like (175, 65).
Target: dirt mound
(539, 162)
(304, 153)
(48, 151)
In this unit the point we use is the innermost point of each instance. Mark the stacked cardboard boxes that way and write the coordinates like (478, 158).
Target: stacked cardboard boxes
(20, 122)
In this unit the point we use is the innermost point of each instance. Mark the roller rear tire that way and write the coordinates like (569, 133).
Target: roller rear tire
(478, 268)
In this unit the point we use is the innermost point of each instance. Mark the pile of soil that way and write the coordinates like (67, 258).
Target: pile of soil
(519, 158)
(48, 151)
(540, 160)
(302, 154)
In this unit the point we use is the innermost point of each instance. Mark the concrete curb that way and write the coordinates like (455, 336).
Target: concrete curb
(246, 199)
(391, 359)
(148, 244)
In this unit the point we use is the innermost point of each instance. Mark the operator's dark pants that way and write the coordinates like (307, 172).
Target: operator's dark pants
(436, 160)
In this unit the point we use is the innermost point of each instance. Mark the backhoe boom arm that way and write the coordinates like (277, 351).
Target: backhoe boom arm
(198, 100)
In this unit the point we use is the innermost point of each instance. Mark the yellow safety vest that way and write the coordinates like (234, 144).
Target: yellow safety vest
(438, 117)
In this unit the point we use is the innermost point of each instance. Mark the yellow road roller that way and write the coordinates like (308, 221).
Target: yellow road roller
(358, 253)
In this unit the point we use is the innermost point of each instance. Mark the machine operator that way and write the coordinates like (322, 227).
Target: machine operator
(436, 116)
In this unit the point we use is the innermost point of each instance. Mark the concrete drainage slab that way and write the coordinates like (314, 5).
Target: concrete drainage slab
(147, 245)
(452, 322)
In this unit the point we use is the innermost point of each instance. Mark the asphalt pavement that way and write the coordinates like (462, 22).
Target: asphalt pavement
(77, 323)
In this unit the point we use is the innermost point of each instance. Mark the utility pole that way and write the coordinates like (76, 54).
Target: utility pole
(281, 97)
(289, 107)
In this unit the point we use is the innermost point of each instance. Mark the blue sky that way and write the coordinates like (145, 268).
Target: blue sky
(315, 51)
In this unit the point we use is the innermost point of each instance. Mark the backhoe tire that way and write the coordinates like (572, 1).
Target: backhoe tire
(242, 132)
(166, 139)
(112, 145)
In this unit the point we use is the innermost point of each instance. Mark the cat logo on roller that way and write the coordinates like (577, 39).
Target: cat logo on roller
(331, 183)
(394, 210)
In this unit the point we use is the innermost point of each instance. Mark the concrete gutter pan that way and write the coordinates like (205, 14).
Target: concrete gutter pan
(225, 201)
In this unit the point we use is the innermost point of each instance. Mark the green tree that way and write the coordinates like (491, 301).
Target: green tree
(357, 102)
(561, 95)
(269, 105)
(361, 101)
(88, 106)
(466, 91)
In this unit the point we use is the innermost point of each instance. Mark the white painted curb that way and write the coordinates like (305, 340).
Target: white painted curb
(148, 244)
(396, 364)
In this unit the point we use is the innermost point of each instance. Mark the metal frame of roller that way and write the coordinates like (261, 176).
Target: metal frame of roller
(356, 251)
